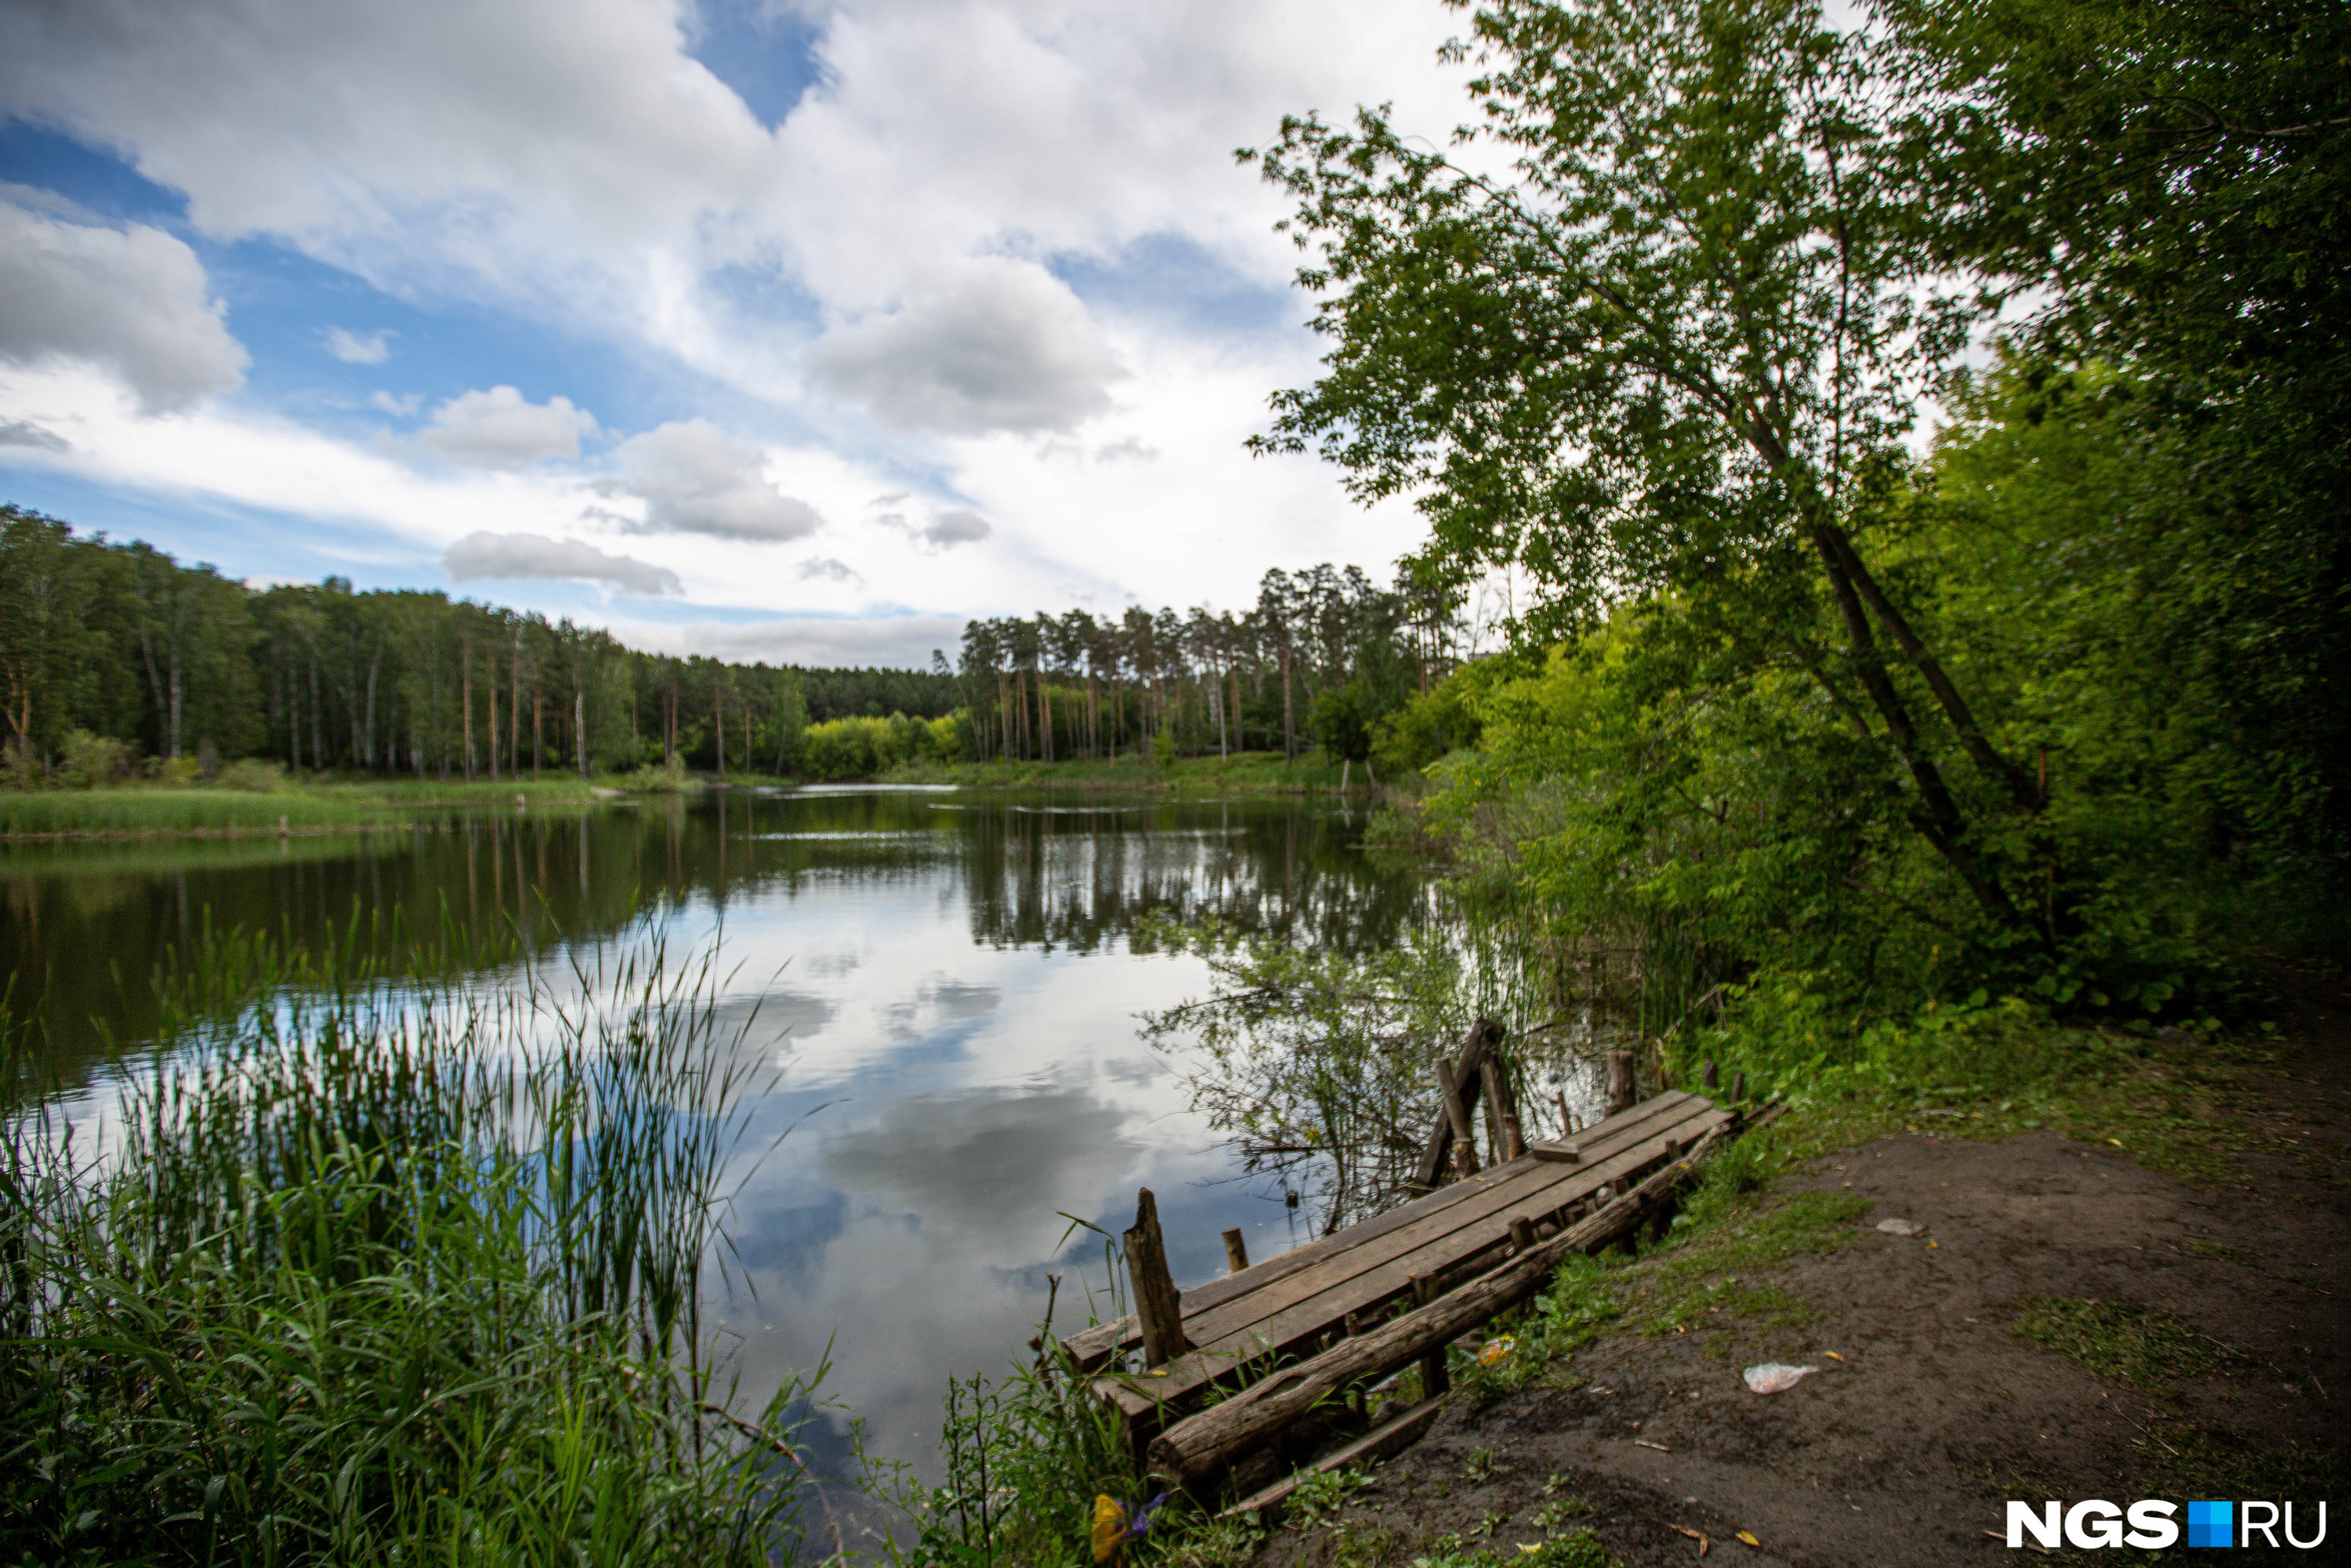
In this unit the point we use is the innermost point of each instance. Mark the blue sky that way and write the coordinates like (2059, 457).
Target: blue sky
(768, 328)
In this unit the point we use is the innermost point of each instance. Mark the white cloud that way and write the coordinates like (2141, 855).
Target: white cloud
(1003, 345)
(404, 405)
(500, 428)
(131, 300)
(696, 479)
(517, 557)
(354, 350)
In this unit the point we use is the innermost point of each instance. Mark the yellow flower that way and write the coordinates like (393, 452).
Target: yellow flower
(1110, 1528)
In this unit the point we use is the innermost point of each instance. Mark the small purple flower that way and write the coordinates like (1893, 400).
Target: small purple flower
(1143, 1516)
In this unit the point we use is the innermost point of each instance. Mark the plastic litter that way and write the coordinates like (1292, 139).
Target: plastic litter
(1775, 1377)
(1900, 1226)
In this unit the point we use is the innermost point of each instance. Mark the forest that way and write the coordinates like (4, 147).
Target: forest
(117, 661)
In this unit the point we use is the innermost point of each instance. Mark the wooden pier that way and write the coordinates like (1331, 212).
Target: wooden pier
(1356, 1306)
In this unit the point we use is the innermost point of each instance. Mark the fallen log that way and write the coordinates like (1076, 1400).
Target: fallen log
(1199, 1446)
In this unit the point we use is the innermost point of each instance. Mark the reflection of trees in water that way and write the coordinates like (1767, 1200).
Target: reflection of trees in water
(84, 944)
(1074, 881)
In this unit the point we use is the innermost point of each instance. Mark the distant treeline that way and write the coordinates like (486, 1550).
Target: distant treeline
(1321, 658)
(116, 657)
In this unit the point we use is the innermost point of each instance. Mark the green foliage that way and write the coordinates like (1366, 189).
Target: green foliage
(379, 1276)
(861, 747)
(1310, 1062)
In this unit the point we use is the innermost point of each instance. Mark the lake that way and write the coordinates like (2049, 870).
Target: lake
(943, 976)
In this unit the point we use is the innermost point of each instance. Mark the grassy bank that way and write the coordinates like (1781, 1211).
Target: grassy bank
(326, 806)
(1245, 773)
(371, 1279)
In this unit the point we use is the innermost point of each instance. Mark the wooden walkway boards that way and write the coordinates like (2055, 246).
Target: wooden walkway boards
(1311, 1298)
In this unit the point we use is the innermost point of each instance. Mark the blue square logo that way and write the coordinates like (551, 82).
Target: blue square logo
(2212, 1524)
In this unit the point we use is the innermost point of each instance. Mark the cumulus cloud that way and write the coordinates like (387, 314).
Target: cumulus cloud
(131, 300)
(825, 567)
(694, 478)
(354, 350)
(515, 557)
(1003, 345)
(25, 432)
(500, 428)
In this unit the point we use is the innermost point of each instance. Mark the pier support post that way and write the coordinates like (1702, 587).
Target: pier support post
(1157, 1303)
(1236, 1251)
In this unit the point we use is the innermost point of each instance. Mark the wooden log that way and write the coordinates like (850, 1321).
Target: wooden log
(1622, 1089)
(1499, 1111)
(1456, 1113)
(1236, 1251)
(1156, 1300)
(1194, 1449)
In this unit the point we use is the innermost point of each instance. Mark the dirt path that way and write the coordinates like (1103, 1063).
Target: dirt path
(2216, 1320)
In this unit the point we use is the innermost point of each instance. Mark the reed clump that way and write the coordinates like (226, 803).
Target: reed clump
(362, 1271)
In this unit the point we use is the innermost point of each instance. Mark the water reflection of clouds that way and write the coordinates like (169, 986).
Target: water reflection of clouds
(978, 1167)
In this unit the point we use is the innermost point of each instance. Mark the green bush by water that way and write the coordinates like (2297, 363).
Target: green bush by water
(380, 1276)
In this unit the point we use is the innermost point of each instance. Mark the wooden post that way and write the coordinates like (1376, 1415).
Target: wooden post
(1713, 1077)
(1501, 1112)
(1566, 1116)
(1433, 1378)
(1157, 1303)
(1236, 1251)
(1456, 1114)
(1522, 1234)
(1440, 1152)
(1623, 1090)
(1514, 1142)
(1738, 1087)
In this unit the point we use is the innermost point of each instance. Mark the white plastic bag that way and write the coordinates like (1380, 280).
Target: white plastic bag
(1772, 1377)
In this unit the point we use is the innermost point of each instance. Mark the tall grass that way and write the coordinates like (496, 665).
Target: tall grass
(375, 1273)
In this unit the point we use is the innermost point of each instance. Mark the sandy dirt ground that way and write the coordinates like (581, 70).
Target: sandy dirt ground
(1905, 1449)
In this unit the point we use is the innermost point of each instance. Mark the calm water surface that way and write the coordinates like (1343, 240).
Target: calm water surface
(944, 978)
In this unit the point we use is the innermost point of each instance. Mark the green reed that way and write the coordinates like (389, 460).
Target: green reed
(377, 1270)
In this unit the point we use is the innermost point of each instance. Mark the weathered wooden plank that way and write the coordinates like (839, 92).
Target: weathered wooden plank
(1524, 1185)
(1195, 1448)
(1374, 1277)
(1092, 1346)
